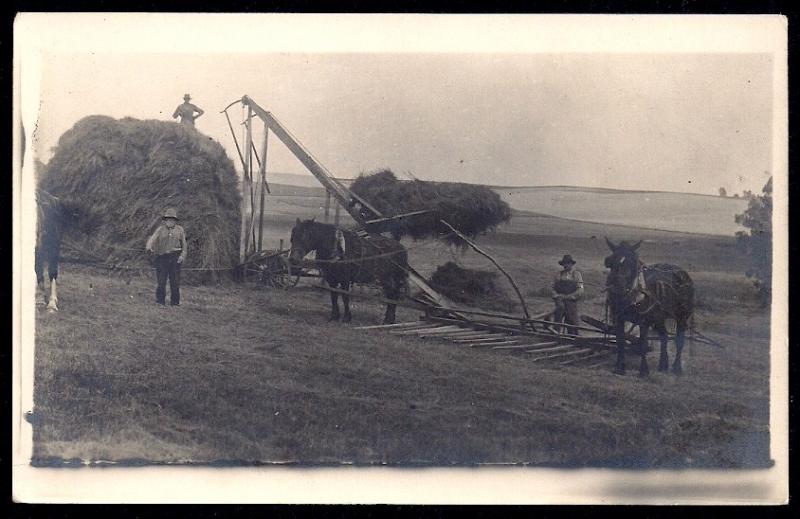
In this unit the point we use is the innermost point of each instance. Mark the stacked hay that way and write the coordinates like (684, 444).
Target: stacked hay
(470, 208)
(128, 171)
(471, 286)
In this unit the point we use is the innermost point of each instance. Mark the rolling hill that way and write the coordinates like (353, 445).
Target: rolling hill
(669, 211)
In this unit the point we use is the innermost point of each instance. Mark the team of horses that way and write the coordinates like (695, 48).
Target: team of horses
(647, 296)
(644, 295)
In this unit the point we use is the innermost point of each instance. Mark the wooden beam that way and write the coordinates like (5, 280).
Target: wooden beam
(432, 328)
(395, 325)
(325, 178)
(436, 333)
(502, 343)
(524, 346)
(262, 175)
(465, 334)
(557, 348)
(487, 338)
(327, 205)
(245, 228)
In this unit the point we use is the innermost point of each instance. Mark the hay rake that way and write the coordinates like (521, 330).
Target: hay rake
(540, 345)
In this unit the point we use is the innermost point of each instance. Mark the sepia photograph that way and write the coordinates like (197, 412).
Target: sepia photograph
(356, 247)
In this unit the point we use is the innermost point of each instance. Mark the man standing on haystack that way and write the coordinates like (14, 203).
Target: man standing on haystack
(566, 291)
(168, 243)
(186, 111)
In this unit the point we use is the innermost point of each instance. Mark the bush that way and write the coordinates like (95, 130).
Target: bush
(758, 242)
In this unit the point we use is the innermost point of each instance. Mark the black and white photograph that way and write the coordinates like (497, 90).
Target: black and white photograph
(545, 256)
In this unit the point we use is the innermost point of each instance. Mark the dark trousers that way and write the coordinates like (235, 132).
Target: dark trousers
(167, 266)
(567, 311)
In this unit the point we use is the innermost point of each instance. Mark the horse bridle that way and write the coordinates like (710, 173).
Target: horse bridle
(636, 286)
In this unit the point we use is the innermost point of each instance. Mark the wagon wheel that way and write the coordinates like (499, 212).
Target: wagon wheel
(253, 269)
(279, 272)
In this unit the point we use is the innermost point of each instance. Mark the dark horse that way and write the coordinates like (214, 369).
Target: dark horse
(359, 259)
(54, 217)
(647, 295)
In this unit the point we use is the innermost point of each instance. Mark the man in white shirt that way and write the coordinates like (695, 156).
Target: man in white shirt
(567, 290)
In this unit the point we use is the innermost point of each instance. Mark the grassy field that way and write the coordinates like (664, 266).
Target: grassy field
(239, 373)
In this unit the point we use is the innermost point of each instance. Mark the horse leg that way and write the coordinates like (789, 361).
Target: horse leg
(390, 316)
(52, 272)
(663, 359)
(38, 267)
(680, 335)
(346, 300)
(644, 330)
(619, 369)
(391, 293)
(334, 305)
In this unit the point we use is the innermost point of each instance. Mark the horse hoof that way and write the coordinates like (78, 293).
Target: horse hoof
(347, 318)
(677, 371)
(663, 368)
(619, 371)
(52, 309)
(643, 374)
(332, 319)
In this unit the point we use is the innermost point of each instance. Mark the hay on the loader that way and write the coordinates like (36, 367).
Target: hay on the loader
(471, 286)
(128, 171)
(470, 208)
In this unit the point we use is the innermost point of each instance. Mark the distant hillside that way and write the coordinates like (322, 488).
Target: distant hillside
(684, 212)
(669, 211)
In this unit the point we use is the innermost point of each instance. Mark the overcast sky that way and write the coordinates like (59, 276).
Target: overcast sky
(675, 122)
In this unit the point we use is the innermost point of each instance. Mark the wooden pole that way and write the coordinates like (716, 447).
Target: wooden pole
(244, 232)
(263, 180)
(327, 205)
(336, 215)
(485, 254)
(259, 200)
(247, 187)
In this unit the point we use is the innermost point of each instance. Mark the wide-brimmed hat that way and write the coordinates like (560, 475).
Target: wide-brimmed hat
(187, 97)
(566, 260)
(171, 213)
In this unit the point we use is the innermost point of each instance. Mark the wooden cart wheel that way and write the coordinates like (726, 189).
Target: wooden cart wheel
(278, 272)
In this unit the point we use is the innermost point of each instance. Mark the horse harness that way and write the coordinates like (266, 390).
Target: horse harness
(641, 294)
(340, 244)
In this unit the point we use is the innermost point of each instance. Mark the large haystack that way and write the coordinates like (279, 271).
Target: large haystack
(470, 208)
(128, 171)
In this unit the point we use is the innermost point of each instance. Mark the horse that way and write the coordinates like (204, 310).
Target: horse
(344, 257)
(647, 295)
(54, 217)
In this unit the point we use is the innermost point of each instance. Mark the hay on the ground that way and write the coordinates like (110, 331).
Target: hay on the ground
(128, 171)
(472, 209)
(472, 287)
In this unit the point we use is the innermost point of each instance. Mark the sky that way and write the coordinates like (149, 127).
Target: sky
(652, 121)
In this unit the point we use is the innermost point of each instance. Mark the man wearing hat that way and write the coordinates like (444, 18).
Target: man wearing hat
(566, 291)
(186, 111)
(168, 244)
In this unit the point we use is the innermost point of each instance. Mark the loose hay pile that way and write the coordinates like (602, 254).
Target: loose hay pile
(472, 209)
(471, 286)
(128, 171)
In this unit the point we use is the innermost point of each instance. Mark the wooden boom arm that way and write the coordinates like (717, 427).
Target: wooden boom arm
(343, 195)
